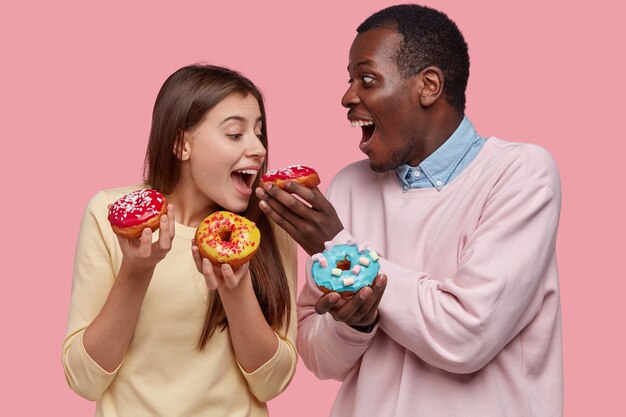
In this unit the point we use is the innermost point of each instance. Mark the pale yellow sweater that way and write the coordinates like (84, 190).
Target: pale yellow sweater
(163, 374)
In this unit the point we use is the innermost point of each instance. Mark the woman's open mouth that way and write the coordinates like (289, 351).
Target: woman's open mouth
(243, 180)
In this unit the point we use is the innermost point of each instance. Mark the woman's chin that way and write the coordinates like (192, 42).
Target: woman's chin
(236, 205)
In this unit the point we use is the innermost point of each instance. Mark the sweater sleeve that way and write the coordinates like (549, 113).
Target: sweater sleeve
(328, 348)
(460, 323)
(92, 280)
(273, 377)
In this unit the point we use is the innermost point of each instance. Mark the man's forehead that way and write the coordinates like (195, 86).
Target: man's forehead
(373, 46)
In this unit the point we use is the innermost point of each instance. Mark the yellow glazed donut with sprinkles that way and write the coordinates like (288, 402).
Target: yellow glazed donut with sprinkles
(345, 268)
(225, 237)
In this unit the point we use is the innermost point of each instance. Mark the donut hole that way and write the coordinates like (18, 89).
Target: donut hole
(344, 264)
(225, 235)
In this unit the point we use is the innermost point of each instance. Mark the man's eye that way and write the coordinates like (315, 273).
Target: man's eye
(367, 79)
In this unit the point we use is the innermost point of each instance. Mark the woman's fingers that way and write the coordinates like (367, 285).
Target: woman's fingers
(195, 253)
(205, 267)
(171, 220)
(165, 238)
(230, 279)
(212, 281)
(145, 243)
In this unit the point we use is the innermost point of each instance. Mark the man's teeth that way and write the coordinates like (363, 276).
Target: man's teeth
(361, 123)
(248, 171)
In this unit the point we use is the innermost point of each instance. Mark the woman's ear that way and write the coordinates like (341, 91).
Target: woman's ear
(431, 81)
(182, 147)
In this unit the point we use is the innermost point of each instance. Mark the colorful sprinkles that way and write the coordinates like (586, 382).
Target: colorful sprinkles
(135, 208)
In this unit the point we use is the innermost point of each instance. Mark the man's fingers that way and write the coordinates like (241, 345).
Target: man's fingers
(367, 312)
(278, 219)
(289, 205)
(351, 308)
(326, 302)
(313, 196)
(305, 193)
(378, 287)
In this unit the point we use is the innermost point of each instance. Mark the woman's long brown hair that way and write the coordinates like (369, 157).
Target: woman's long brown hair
(183, 101)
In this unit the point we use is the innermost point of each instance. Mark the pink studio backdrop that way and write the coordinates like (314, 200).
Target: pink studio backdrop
(77, 87)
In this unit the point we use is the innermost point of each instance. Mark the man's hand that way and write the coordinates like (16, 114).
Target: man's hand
(310, 224)
(359, 310)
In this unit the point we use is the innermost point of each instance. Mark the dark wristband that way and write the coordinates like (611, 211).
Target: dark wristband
(366, 329)
(363, 329)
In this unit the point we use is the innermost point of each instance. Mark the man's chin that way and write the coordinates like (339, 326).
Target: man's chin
(381, 166)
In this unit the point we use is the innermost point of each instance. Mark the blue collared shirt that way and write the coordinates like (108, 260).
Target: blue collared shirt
(446, 163)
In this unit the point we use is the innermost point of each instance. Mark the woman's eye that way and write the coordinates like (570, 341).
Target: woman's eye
(367, 79)
(235, 136)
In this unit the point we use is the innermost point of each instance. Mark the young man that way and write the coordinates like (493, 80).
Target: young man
(466, 319)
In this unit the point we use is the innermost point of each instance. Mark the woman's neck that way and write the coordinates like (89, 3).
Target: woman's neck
(190, 205)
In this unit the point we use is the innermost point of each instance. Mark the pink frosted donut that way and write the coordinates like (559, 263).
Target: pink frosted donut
(135, 211)
(297, 173)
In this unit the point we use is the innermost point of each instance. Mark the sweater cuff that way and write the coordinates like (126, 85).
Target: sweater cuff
(271, 378)
(84, 374)
(349, 335)
(342, 237)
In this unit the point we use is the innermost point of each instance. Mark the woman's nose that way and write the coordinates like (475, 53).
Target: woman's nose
(256, 148)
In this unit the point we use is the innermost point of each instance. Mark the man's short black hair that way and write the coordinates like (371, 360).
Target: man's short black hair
(430, 38)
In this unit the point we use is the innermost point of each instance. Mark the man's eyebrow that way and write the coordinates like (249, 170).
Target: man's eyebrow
(364, 62)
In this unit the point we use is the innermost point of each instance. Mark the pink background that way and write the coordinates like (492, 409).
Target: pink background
(76, 92)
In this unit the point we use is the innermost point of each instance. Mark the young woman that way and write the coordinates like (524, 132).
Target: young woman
(155, 330)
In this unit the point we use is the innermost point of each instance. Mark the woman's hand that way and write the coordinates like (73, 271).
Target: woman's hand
(220, 276)
(140, 255)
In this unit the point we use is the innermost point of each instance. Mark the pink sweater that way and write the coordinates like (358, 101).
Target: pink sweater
(470, 321)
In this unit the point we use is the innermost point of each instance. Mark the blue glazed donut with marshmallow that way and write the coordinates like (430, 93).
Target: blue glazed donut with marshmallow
(345, 268)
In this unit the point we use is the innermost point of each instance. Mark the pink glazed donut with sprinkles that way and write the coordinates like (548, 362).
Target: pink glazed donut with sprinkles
(135, 211)
(301, 174)
(345, 268)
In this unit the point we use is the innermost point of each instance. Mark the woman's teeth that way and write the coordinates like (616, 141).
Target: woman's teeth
(248, 171)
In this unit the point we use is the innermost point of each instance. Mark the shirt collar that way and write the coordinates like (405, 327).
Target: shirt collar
(440, 164)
